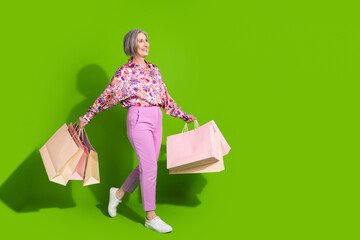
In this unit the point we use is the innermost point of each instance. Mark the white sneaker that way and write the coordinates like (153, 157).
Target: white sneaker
(158, 225)
(113, 202)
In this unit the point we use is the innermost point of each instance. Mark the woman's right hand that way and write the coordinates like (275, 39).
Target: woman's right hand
(191, 118)
(82, 122)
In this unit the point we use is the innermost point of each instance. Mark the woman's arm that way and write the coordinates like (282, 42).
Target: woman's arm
(109, 97)
(170, 107)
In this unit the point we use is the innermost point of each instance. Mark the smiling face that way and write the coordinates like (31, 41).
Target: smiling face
(142, 45)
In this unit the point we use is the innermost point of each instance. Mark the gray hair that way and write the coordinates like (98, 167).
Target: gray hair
(130, 42)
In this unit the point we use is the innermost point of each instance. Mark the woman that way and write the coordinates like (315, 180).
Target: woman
(139, 87)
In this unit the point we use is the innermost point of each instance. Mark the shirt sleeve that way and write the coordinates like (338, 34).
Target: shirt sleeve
(170, 107)
(113, 94)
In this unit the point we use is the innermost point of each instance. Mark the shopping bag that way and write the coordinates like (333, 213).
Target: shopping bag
(61, 154)
(196, 151)
(92, 175)
(79, 172)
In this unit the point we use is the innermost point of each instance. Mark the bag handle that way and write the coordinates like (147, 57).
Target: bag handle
(77, 126)
(185, 129)
(79, 131)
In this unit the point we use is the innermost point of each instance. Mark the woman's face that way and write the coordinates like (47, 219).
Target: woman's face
(142, 45)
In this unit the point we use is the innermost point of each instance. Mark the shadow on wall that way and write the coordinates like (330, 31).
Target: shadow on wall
(29, 189)
(106, 132)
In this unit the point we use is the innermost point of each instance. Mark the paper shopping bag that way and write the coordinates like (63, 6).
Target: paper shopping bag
(79, 172)
(61, 154)
(225, 147)
(196, 151)
(92, 175)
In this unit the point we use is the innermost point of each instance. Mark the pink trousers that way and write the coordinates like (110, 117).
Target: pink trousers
(144, 130)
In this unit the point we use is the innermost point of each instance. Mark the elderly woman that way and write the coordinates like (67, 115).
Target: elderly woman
(139, 87)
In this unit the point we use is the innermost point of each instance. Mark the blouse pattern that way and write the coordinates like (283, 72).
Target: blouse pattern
(133, 85)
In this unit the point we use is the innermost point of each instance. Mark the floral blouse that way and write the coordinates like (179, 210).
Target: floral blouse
(133, 85)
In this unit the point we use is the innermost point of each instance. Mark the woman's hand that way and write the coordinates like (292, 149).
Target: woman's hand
(82, 122)
(191, 118)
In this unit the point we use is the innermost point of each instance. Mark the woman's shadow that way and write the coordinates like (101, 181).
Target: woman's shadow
(107, 133)
(28, 188)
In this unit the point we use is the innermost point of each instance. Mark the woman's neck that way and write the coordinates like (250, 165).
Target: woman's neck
(139, 61)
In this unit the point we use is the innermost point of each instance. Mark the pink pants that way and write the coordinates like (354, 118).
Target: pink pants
(144, 130)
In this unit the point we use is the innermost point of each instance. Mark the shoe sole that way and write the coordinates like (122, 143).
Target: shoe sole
(149, 227)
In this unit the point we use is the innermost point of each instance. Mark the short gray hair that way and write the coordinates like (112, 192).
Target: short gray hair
(130, 42)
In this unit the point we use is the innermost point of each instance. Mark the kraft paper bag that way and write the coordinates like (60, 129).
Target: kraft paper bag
(92, 175)
(61, 154)
(197, 151)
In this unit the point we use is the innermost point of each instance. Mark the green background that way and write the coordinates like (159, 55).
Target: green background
(278, 78)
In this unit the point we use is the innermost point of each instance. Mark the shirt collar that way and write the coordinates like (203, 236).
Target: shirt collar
(133, 64)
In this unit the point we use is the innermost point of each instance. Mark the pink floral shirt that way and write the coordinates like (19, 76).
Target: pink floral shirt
(133, 85)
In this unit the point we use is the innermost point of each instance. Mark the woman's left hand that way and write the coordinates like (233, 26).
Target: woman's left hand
(191, 118)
